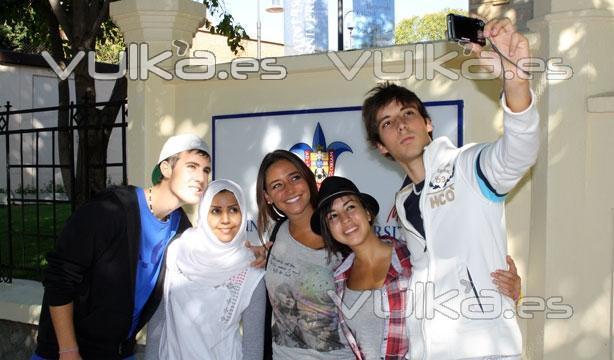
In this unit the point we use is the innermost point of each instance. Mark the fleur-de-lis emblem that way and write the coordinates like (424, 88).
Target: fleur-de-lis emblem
(318, 157)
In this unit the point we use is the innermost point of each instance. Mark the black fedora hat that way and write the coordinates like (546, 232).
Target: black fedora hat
(333, 187)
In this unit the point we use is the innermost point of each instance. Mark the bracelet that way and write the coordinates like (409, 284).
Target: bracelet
(69, 350)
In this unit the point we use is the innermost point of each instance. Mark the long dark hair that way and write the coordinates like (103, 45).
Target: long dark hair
(265, 211)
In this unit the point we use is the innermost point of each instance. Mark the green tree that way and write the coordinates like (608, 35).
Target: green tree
(430, 27)
(65, 27)
(21, 28)
(405, 32)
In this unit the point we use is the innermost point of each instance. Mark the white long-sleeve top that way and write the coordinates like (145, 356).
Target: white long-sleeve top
(456, 311)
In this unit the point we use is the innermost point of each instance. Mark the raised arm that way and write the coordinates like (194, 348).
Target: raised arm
(503, 163)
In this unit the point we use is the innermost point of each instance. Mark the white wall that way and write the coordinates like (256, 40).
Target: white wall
(28, 87)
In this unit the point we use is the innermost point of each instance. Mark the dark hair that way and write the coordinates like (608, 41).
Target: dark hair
(172, 160)
(265, 211)
(330, 243)
(380, 96)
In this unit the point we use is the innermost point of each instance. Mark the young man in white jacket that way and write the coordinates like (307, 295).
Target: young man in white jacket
(452, 210)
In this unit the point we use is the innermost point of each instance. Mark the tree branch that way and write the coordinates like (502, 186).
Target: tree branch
(60, 14)
(120, 92)
(102, 15)
(44, 8)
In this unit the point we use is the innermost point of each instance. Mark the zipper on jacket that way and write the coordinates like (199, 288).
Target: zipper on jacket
(475, 292)
(422, 240)
(425, 344)
(419, 237)
(422, 202)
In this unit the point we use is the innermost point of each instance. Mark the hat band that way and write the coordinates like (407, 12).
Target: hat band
(335, 194)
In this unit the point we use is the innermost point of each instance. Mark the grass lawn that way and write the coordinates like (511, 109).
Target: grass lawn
(31, 241)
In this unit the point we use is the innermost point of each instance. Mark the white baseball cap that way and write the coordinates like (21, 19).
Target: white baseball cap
(174, 145)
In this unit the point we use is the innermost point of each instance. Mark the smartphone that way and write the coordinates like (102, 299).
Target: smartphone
(465, 29)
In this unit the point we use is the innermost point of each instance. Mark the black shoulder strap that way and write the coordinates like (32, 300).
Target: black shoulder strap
(268, 336)
(273, 237)
(276, 230)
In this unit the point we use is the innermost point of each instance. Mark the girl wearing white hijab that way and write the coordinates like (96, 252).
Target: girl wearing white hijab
(210, 287)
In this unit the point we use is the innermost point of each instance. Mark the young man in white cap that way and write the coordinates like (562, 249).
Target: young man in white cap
(104, 278)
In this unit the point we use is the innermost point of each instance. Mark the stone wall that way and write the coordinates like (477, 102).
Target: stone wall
(17, 340)
(520, 11)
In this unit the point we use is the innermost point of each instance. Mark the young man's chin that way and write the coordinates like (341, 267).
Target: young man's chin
(191, 199)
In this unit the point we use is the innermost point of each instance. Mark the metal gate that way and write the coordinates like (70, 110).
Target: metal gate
(32, 212)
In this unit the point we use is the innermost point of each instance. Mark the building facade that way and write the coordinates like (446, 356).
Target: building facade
(305, 26)
(310, 26)
(373, 23)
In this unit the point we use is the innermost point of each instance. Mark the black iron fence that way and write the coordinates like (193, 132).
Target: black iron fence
(35, 202)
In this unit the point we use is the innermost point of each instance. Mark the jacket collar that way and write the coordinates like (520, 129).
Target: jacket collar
(432, 156)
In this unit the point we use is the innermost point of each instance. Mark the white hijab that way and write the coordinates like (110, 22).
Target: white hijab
(208, 284)
(201, 256)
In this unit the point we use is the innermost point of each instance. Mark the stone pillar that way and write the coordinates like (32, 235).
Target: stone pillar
(572, 236)
(154, 25)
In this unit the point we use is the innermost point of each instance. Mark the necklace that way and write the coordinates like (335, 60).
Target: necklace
(151, 206)
(413, 189)
(149, 201)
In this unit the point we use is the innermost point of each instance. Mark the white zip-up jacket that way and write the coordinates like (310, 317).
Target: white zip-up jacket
(464, 226)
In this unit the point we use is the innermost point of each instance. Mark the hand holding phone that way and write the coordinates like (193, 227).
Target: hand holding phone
(506, 42)
(465, 29)
(510, 47)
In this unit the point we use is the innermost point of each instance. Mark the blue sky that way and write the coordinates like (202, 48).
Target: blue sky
(244, 11)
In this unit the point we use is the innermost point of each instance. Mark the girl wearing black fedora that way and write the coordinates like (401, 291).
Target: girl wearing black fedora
(375, 272)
